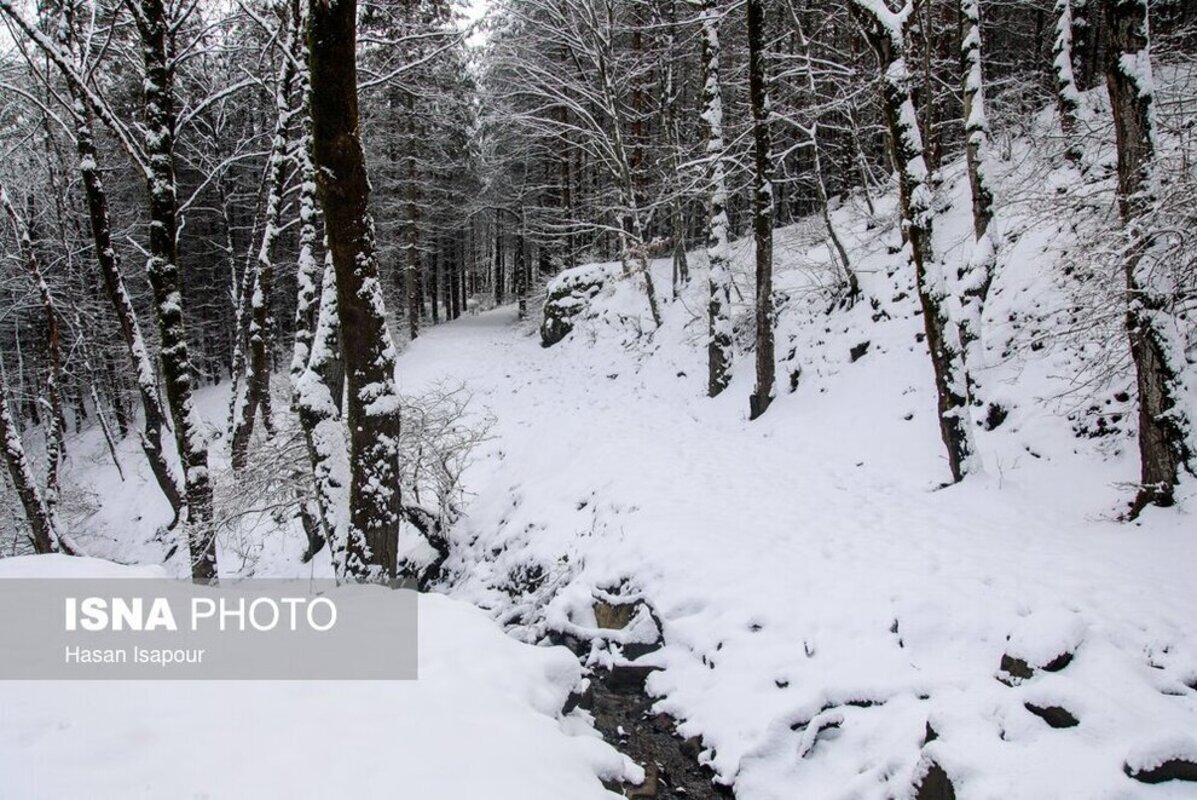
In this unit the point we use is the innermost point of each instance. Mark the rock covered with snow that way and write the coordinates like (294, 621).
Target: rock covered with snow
(568, 296)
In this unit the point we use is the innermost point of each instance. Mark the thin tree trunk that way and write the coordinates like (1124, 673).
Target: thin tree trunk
(162, 268)
(1068, 98)
(411, 275)
(762, 209)
(56, 420)
(719, 328)
(887, 35)
(817, 163)
(255, 395)
(122, 305)
(41, 523)
(976, 274)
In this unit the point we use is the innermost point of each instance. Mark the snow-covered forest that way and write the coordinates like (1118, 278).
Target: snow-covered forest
(768, 398)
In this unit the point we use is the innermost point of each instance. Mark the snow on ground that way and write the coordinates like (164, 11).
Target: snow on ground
(803, 562)
(826, 603)
(482, 721)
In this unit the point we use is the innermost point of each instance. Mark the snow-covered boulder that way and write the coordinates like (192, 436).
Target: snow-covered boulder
(569, 295)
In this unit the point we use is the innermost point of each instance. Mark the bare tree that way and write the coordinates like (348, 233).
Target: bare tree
(719, 342)
(372, 406)
(1068, 97)
(253, 393)
(762, 208)
(975, 274)
(887, 32)
(1164, 421)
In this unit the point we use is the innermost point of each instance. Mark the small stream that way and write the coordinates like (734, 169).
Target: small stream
(623, 714)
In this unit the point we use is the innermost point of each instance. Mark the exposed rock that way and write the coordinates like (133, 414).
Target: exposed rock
(1175, 769)
(569, 294)
(1056, 716)
(628, 678)
(1058, 663)
(635, 617)
(650, 787)
(671, 766)
(858, 351)
(582, 697)
(614, 616)
(935, 785)
(1015, 667)
(995, 415)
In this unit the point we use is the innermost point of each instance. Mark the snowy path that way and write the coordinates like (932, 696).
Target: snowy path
(802, 563)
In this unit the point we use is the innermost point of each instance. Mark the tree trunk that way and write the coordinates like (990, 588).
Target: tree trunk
(762, 209)
(40, 521)
(1068, 98)
(520, 274)
(162, 268)
(719, 329)
(57, 419)
(256, 391)
(976, 274)
(888, 39)
(122, 305)
(1163, 419)
(372, 406)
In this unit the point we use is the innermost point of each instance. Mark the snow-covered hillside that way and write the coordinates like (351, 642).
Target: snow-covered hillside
(834, 620)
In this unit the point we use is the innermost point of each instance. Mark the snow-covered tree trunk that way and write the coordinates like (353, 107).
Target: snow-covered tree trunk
(162, 268)
(762, 208)
(975, 275)
(85, 103)
(719, 342)
(254, 390)
(57, 419)
(122, 305)
(1068, 97)
(632, 231)
(1165, 424)
(372, 405)
(309, 283)
(40, 521)
(887, 32)
(318, 388)
(317, 382)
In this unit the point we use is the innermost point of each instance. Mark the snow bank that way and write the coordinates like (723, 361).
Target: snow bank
(482, 721)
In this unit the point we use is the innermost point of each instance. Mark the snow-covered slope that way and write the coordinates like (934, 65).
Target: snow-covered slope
(834, 619)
